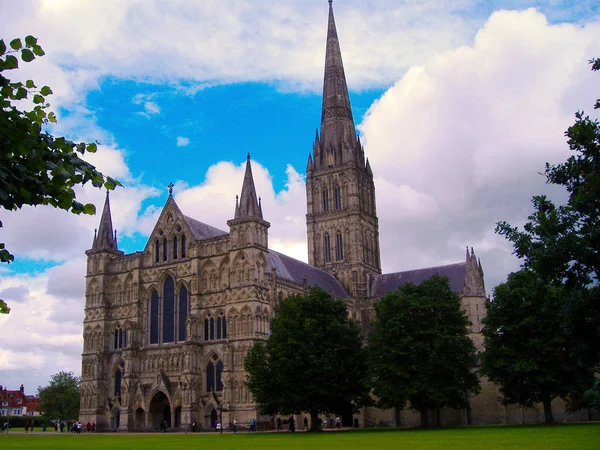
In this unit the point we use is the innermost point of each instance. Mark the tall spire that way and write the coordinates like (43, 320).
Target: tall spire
(248, 204)
(337, 123)
(106, 238)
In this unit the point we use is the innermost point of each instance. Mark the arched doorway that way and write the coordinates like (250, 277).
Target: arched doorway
(140, 419)
(213, 418)
(160, 409)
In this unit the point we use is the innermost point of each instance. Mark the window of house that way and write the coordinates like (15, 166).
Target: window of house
(4, 403)
(19, 401)
(17, 412)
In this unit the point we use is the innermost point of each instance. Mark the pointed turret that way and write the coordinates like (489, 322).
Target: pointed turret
(248, 204)
(105, 239)
(337, 125)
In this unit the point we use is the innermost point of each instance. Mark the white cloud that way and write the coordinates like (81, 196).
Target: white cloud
(151, 108)
(182, 141)
(456, 144)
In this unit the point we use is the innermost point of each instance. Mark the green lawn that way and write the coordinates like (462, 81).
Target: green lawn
(578, 436)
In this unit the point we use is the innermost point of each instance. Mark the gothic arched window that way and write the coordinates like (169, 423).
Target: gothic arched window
(174, 247)
(154, 318)
(219, 327)
(183, 245)
(327, 248)
(325, 200)
(206, 330)
(183, 313)
(118, 383)
(168, 310)
(164, 249)
(338, 197)
(210, 377)
(156, 251)
(339, 246)
(212, 329)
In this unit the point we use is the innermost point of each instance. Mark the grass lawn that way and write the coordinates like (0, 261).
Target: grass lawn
(576, 436)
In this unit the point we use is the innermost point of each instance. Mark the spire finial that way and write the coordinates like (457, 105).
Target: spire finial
(171, 186)
(330, 1)
(248, 156)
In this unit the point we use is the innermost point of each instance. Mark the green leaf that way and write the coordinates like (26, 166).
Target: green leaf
(37, 98)
(92, 147)
(89, 209)
(21, 93)
(38, 50)
(52, 117)
(16, 44)
(2, 47)
(4, 309)
(45, 90)
(30, 41)
(10, 63)
(27, 55)
(29, 84)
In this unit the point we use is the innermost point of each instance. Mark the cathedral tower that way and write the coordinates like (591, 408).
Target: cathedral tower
(341, 219)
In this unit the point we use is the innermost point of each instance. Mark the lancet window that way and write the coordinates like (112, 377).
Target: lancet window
(327, 248)
(339, 246)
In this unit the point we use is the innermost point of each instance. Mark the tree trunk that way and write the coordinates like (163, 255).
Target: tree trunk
(315, 422)
(424, 418)
(548, 418)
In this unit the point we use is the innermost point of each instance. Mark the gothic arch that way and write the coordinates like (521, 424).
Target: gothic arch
(128, 289)
(208, 277)
(224, 279)
(233, 322)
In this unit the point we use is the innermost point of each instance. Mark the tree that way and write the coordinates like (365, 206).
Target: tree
(313, 361)
(529, 343)
(60, 399)
(37, 168)
(420, 352)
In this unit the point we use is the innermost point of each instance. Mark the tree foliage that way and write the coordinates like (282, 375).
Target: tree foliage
(313, 361)
(420, 351)
(60, 399)
(37, 168)
(530, 344)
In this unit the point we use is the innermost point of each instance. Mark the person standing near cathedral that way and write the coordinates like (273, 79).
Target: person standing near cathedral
(305, 423)
(278, 421)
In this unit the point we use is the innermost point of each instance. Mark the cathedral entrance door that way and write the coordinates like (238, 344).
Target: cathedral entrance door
(213, 418)
(160, 409)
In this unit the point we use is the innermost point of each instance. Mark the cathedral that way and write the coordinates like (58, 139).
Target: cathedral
(166, 329)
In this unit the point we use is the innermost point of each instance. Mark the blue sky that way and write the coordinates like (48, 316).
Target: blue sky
(459, 105)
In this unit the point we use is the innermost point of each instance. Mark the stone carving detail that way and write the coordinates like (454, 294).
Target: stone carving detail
(337, 111)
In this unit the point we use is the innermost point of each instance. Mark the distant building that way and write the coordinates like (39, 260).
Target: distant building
(16, 403)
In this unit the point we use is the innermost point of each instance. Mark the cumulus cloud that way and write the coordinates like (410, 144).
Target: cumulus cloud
(457, 143)
(182, 141)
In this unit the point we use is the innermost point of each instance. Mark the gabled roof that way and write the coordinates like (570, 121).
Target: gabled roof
(389, 282)
(202, 230)
(298, 271)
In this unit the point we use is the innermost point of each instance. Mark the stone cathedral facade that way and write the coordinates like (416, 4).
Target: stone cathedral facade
(166, 329)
